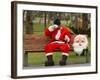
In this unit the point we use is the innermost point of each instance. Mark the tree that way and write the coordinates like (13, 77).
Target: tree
(29, 24)
(85, 22)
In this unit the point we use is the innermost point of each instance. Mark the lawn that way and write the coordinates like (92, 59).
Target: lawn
(38, 58)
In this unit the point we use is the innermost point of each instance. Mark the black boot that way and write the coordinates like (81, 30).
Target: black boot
(63, 61)
(49, 61)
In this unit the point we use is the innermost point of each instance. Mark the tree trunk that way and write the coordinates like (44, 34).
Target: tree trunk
(29, 24)
(85, 23)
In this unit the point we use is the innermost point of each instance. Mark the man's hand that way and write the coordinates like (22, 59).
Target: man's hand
(52, 27)
(67, 39)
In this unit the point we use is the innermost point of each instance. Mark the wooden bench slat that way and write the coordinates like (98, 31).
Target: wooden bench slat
(35, 42)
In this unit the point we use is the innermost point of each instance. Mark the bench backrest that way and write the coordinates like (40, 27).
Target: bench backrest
(35, 42)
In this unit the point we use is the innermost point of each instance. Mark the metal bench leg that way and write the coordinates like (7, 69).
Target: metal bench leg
(87, 55)
(25, 60)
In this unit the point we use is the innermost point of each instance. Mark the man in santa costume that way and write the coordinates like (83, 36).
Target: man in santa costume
(60, 39)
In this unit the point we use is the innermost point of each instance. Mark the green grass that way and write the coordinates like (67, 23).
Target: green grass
(38, 58)
(38, 27)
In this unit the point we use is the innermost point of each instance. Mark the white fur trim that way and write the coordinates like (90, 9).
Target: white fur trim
(67, 38)
(47, 54)
(55, 26)
(58, 42)
(58, 35)
(52, 27)
(66, 54)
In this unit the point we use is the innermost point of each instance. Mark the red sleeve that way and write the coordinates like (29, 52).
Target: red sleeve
(47, 32)
(70, 36)
(68, 33)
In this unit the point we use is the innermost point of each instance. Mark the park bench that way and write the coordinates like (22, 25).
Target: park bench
(35, 43)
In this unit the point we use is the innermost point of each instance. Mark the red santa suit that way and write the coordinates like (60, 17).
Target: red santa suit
(58, 40)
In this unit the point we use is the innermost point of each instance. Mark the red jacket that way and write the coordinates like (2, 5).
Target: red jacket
(63, 35)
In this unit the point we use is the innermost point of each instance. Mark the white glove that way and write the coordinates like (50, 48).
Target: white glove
(52, 27)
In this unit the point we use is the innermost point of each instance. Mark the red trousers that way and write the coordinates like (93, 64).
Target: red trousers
(64, 47)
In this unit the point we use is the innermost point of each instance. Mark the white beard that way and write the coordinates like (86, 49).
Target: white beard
(79, 47)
